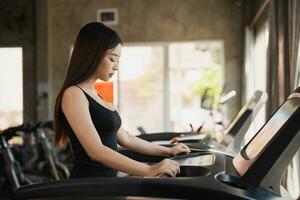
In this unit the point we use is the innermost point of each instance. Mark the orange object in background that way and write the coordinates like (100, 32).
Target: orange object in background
(105, 90)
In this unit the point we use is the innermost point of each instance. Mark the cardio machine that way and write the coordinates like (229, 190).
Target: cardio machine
(254, 173)
(233, 134)
(161, 137)
(43, 163)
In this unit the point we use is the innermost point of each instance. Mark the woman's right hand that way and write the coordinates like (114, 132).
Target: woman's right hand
(166, 166)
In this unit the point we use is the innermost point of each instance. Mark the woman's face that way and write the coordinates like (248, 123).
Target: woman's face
(109, 64)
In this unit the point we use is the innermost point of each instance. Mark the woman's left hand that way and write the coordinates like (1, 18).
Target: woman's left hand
(179, 148)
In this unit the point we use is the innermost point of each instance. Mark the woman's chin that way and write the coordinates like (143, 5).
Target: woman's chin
(104, 79)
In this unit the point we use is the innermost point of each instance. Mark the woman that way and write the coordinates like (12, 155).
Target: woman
(93, 126)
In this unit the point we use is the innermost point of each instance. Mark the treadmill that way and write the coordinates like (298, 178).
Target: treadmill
(235, 132)
(233, 135)
(165, 136)
(254, 173)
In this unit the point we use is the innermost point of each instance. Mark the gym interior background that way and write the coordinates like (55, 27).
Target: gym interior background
(179, 58)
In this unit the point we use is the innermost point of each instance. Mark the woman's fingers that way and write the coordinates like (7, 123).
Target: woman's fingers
(166, 166)
(185, 147)
(176, 166)
(181, 148)
(173, 165)
(170, 171)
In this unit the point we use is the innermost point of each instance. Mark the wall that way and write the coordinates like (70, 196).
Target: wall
(43, 109)
(17, 29)
(151, 21)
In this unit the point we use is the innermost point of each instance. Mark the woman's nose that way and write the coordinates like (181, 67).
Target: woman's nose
(116, 67)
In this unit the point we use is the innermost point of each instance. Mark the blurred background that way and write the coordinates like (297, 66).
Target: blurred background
(179, 58)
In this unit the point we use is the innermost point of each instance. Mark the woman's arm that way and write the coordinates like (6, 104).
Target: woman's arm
(142, 146)
(75, 107)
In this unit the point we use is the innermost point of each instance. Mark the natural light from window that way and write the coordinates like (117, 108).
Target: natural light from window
(141, 88)
(11, 87)
(161, 85)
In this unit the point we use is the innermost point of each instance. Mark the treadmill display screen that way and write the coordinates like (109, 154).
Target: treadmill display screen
(254, 148)
(202, 160)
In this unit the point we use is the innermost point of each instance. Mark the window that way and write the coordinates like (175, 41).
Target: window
(298, 76)
(256, 70)
(11, 87)
(164, 79)
(141, 88)
(195, 69)
(297, 81)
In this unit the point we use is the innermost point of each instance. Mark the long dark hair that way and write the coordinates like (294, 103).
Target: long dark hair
(92, 42)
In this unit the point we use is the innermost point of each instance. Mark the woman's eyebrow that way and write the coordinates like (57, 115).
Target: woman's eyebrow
(114, 54)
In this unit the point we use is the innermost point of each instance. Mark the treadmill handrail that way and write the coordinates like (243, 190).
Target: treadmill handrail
(249, 112)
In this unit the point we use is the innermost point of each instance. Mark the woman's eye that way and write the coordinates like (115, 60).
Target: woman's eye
(112, 60)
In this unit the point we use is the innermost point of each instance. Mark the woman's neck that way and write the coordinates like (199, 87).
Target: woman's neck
(88, 84)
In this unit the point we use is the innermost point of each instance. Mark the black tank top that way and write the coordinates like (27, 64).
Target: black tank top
(107, 123)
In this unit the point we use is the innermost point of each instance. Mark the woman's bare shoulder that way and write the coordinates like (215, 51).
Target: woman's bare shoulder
(73, 91)
(73, 95)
